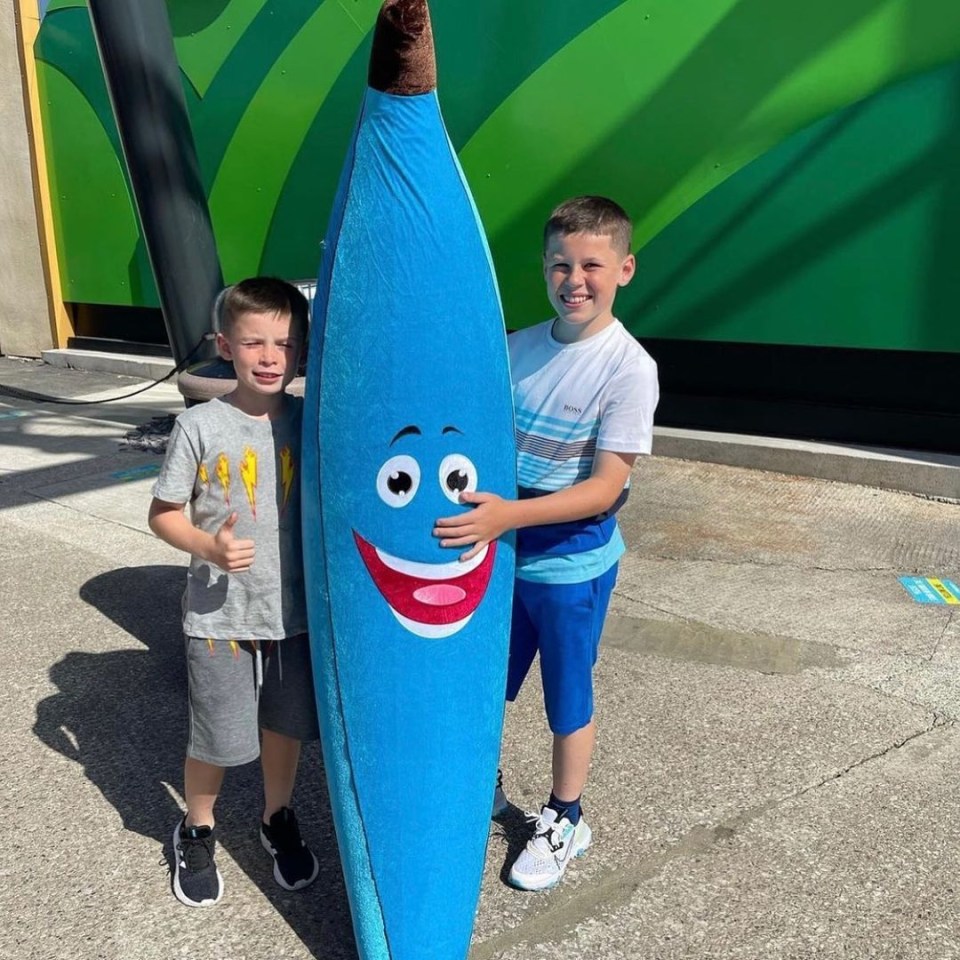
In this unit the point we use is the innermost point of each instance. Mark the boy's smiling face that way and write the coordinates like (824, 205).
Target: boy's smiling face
(583, 272)
(265, 350)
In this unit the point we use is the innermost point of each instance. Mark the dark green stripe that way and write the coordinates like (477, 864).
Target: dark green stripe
(469, 46)
(241, 75)
(66, 42)
(504, 44)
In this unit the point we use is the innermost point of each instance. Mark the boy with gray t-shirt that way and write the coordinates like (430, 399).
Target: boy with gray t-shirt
(235, 460)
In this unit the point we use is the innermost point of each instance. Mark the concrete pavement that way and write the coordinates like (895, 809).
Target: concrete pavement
(776, 767)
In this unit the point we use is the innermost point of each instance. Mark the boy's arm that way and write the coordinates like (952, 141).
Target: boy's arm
(170, 524)
(493, 516)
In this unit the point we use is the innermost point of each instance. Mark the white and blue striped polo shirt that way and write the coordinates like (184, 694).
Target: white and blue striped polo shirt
(572, 399)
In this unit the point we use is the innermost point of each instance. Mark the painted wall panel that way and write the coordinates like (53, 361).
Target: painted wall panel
(846, 235)
(656, 103)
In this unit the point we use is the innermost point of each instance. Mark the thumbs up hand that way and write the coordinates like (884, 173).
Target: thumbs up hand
(229, 552)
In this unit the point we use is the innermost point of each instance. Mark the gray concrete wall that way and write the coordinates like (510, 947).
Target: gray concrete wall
(24, 308)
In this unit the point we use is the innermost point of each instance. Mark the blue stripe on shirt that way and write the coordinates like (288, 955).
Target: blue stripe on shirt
(554, 539)
(572, 567)
(532, 422)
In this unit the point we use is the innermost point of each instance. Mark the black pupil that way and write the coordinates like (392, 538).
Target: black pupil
(457, 480)
(399, 483)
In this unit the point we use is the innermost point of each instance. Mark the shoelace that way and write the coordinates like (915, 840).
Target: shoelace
(287, 838)
(195, 852)
(548, 832)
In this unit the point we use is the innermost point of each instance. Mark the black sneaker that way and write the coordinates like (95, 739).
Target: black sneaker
(196, 879)
(294, 865)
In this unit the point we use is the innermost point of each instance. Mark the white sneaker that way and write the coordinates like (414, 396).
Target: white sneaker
(555, 843)
(500, 802)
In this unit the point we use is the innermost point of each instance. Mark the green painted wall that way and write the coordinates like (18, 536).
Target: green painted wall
(657, 103)
(847, 235)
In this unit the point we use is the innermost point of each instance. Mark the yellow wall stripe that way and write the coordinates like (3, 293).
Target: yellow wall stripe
(27, 17)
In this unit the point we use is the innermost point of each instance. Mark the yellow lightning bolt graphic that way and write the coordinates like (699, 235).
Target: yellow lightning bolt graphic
(248, 474)
(223, 475)
(286, 476)
(210, 646)
(235, 647)
(202, 475)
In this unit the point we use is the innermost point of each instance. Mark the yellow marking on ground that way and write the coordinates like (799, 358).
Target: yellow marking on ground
(942, 590)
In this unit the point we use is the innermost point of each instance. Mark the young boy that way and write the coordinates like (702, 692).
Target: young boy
(585, 392)
(235, 460)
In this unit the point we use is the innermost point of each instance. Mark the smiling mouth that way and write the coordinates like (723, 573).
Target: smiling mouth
(432, 600)
(574, 301)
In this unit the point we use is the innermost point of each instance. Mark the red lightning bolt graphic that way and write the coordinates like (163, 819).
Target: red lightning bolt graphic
(223, 475)
(286, 476)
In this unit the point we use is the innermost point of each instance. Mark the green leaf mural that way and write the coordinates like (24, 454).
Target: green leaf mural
(826, 239)
(657, 103)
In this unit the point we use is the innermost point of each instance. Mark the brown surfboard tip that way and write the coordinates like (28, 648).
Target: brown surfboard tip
(403, 61)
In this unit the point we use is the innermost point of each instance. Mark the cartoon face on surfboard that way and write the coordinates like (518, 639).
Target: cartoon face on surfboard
(423, 475)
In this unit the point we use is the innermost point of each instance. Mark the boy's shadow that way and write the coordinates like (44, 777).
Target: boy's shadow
(122, 715)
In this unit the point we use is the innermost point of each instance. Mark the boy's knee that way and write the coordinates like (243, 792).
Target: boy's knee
(565, 719)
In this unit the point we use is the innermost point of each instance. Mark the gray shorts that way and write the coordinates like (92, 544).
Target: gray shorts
(226, 709)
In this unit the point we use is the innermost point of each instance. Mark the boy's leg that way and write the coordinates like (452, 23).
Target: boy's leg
(201, 787)
(570, 620)
(523, 641)
(523, 648)
(222, 708)
(572, 753)
(567, 668)
(196, 880)
(279, 756)
(288, 716)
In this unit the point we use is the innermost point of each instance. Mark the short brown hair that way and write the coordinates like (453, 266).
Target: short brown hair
(262, 295)
(596, 215)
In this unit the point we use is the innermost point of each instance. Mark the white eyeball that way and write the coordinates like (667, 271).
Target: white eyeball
(398, 480)
(457, 475)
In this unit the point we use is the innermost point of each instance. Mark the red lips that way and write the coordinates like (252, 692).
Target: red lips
(426, 600)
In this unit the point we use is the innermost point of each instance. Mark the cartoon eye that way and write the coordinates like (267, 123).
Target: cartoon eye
(398, 480)
(457, 475)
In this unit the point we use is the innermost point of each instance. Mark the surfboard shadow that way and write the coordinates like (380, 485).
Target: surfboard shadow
(511, 829)
(122, 715)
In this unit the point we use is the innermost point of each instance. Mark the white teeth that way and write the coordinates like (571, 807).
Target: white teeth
(431, 571)
(431, 631)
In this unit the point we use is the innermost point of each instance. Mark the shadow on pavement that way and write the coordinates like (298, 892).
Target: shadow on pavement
(122, 715)
(512, 829)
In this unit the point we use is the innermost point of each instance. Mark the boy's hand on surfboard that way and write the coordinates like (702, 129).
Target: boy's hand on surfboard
(490, 518)
(229, 552)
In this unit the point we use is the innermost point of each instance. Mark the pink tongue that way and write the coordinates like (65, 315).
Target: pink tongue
(439, 594)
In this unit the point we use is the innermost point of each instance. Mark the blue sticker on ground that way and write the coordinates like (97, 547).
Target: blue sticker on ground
(931, 590)
(137, 473)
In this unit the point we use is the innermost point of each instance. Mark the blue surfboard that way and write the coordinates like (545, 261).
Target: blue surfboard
(407, 404)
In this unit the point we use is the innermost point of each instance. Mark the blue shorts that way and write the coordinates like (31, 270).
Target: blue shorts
(563, 621)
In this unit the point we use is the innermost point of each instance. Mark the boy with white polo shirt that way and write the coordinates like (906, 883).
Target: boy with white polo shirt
(585, 393)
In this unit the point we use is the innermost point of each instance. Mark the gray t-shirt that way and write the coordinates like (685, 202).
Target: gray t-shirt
(220, 460)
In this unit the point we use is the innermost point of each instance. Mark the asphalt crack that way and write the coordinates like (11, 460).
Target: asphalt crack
(939, 720)
(943, 633)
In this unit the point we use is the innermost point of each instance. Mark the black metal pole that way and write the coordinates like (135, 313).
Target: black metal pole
(140, 65)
